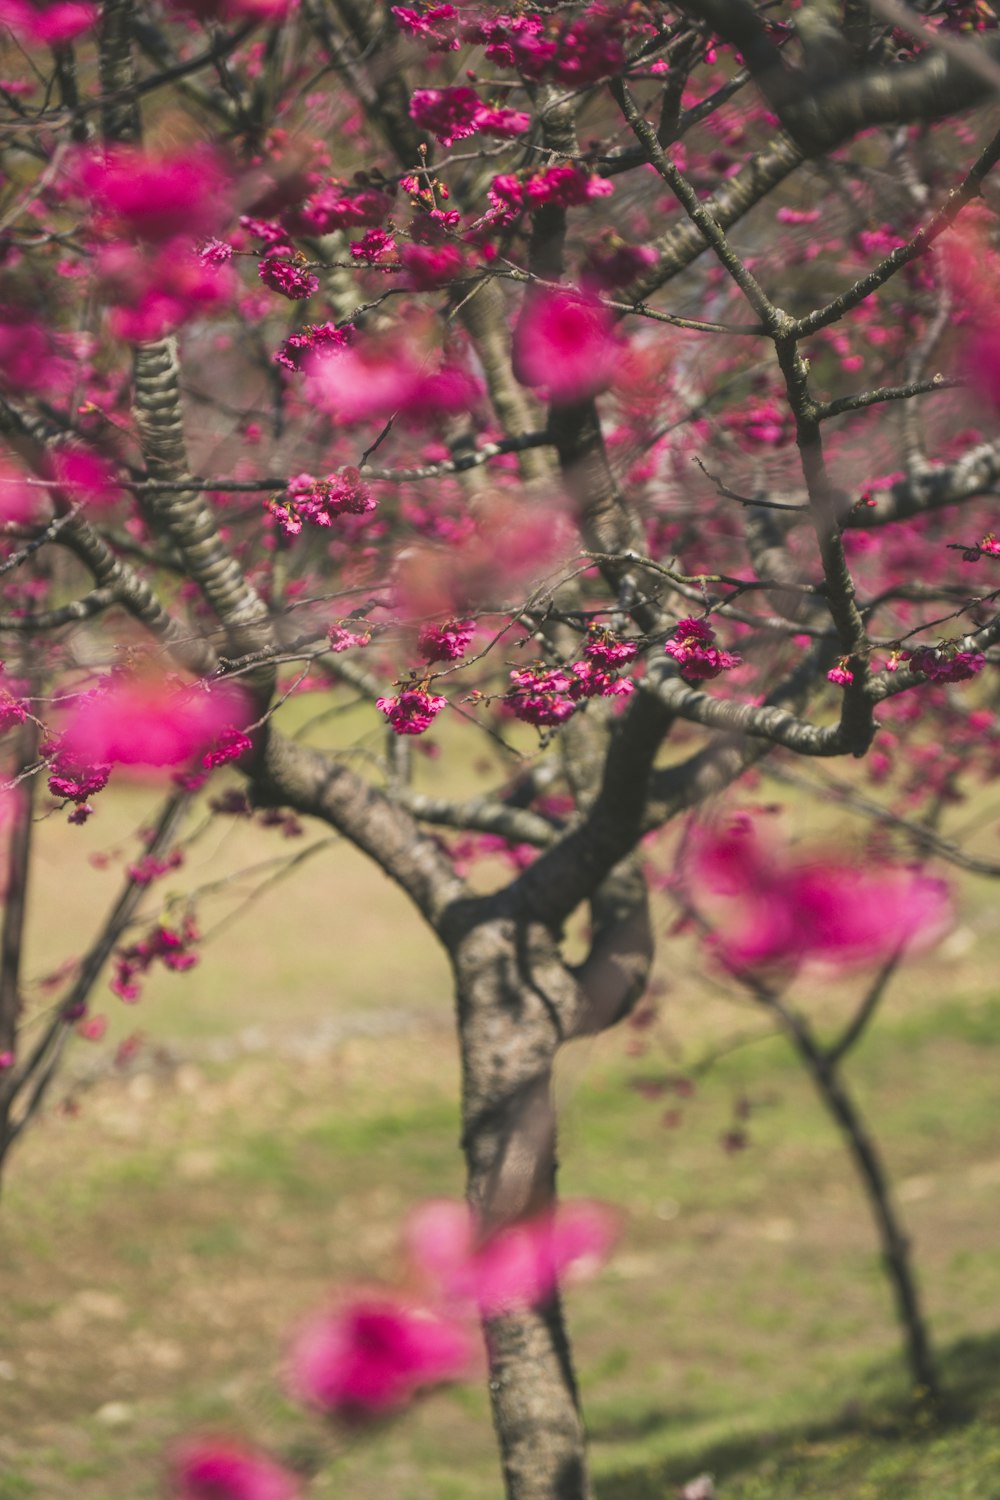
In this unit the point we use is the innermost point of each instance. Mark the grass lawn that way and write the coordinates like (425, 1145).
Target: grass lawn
(158, 1246)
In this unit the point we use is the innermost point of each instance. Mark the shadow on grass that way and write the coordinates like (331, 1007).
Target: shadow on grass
(644, 1423)
(869, 1427)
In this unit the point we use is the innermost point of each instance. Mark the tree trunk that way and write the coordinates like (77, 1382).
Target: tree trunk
(516, 1004)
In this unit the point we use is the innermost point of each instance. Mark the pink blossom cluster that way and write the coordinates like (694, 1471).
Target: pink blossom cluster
(372, 246)
(942, 665)
(429, 26)
(315, 339)
(841, 674)
(563, 186)
(76, 783)
(13, 711)
(321, 501)
(582, 52)
(775, 910)
(412, 710)
(534, 45)
(446, 642)
(342, 639)
(451, 114)
(170, 946)
(147, 869)
(146, 211)
(339, 206)
(693, 648)
(547, 696)
(147, 722)
(608, 650)
(988, 547)
(231, 745)
(287, 277)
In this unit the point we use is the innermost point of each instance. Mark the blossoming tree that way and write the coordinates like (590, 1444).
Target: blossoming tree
(604, 390)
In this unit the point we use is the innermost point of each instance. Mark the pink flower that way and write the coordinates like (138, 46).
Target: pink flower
(446, 642)
(78, 784)
(286, 277)
(222, 1470)
(946, 666)
(772, 911)
(841, 674)
(605, 648)
(413, 711)
(565, 344)
(315, 339)
(699, 659)
(7, 1060)
(373, 1355)
(321, 501)
(520, 1266)
(341, 639)
(541, 695)
(453, 113)
(148, 722)
(449, 114)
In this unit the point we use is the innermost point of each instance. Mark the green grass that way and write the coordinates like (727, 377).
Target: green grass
(159, 1247)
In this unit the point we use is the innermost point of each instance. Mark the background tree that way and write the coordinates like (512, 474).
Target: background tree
(494, 370)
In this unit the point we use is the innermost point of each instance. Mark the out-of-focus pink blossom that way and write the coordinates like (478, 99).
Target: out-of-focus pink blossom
(218, 1469)
(372, 1355)
(47, 25)
(565, 345)
(152, 292)
(148, 722)
(518, 1267)
(85, 476)
(771, 910)
(29, 360)
(155, 198)
(362, 383)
